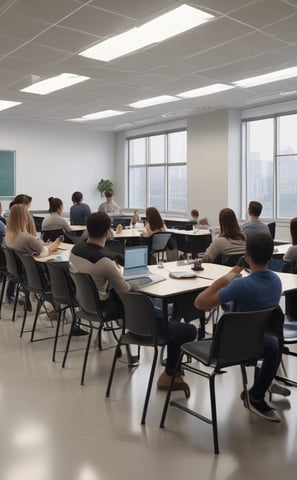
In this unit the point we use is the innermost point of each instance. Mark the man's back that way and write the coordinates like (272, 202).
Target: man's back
(252, 227)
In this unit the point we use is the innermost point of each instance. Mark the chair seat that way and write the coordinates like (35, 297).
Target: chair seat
(290, 332)
(198, 350)
(130, 338)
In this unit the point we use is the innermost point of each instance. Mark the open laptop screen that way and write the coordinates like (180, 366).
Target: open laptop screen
(136, 260)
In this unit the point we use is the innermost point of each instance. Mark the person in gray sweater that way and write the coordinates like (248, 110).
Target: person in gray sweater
(253, 224)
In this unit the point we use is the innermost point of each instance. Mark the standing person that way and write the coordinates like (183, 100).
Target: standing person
(230, 240)
(110, 206)
(258, 291)
(79, 211)
(54, 221)
(92, 257)
(254, 224)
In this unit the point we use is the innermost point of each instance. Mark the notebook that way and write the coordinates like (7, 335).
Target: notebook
(135, 266)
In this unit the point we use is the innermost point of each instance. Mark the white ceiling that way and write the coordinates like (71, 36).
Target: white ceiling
(42, 38)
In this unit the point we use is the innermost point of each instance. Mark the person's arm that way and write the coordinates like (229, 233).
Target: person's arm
(87, 212)
(291, 254)
(210, 298)
(113, 274)
(212, 252)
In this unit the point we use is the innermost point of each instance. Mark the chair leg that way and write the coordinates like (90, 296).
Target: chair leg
(214, 411)
(114, 361)
(2, 291)
(149, 387)
(100, 336)
(38, 308)
(57, 334)
(17, 291)
(168, 395)
(69, 341)
(86, 355)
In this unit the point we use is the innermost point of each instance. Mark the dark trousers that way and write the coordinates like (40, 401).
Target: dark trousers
(270, 364)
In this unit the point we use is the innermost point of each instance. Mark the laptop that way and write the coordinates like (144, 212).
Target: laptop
(135, 266)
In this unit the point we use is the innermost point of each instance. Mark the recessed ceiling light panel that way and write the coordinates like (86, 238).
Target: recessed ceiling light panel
(209, 90)
(149, 102)
(267, 78)
(5, 104)
(55, 83)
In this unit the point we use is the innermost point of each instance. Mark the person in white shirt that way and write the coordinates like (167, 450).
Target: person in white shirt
(110, 206)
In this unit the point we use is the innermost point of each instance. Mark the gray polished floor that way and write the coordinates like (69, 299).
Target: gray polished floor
(52, 428)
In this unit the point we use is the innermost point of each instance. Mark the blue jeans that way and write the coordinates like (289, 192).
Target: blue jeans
(270, 364)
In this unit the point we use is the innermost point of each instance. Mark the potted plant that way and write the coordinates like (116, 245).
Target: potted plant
(104, 185)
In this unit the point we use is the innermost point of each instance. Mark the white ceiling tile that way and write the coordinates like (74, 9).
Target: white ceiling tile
(97, 22)
(8, 45)
(16, 26)
(284, 29)
(66, 39)
(263, 12)
(45, 10)
(132, 8)
(223, 6)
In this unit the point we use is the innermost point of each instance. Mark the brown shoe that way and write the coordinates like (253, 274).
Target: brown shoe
(52, 314)
(179, 384)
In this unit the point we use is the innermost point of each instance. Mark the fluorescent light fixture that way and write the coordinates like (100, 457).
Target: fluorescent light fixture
(4, 104)
(55, 83)
(290, 92)
(209, 90)
(168, 25)
(267, 78)
(103, 114)
(148, 102)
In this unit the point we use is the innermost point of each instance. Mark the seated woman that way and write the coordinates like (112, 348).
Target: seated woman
(291, 254)
(154, 222)
(54, 221)
(79, 211)
(21, 234)
(230, 240)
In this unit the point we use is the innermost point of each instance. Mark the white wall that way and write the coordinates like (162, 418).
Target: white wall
(56, 160)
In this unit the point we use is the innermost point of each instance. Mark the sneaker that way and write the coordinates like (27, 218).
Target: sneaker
(260, 408)
(179, 383)
(279, 390)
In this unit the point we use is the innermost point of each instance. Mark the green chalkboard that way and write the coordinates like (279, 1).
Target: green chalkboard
(7, 173)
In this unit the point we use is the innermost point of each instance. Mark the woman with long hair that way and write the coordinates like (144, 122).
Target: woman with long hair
(230, 240)
(154, 222)
(21, 234)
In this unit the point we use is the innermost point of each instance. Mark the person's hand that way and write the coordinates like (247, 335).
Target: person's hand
(234, 273)
(54, 245)
(237, 269)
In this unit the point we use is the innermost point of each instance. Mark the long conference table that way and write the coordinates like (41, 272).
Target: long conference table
(171, 287)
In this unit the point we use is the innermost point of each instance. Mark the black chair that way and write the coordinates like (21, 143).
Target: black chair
(63, 290)
(231, 259)
(140, 328)
(197, 244)
(115, 245)
(52, 235)
(238, 340)
(91, 315)
(3, 276)
(15, 272)
(157, 246)
(38, 223)
(271, 227)
(37, 283)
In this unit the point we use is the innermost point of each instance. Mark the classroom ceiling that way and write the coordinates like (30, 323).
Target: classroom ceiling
(42, 38)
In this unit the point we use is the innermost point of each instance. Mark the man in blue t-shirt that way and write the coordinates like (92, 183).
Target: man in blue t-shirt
(260, 290)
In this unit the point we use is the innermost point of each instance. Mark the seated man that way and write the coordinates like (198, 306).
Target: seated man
(92, 257)
(257, 291)
(254, 225)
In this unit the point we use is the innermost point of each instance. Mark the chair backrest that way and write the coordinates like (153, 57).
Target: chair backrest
(13, 264)
(38, 222)
(239, 336)
(271, 227)
(62, 286)
(231, 259)
(86, 294)
(158, 241)
(51, 235)
(139, 314)
(115, 245)
(2, 260)
(34, 272)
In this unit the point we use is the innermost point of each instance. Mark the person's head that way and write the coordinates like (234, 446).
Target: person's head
(19, 221)
(293, 230)
(55, 205)
(108, 195)
(255, 208)
(259, 248)
(98, 225)
(22, 199)
(154, 218)
(194, 213)
(229, 225)
(77, 197)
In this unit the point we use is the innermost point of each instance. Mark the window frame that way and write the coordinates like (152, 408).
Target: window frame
(147, 166)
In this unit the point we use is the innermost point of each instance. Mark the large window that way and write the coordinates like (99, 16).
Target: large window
(270, 165)
(158, 171)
